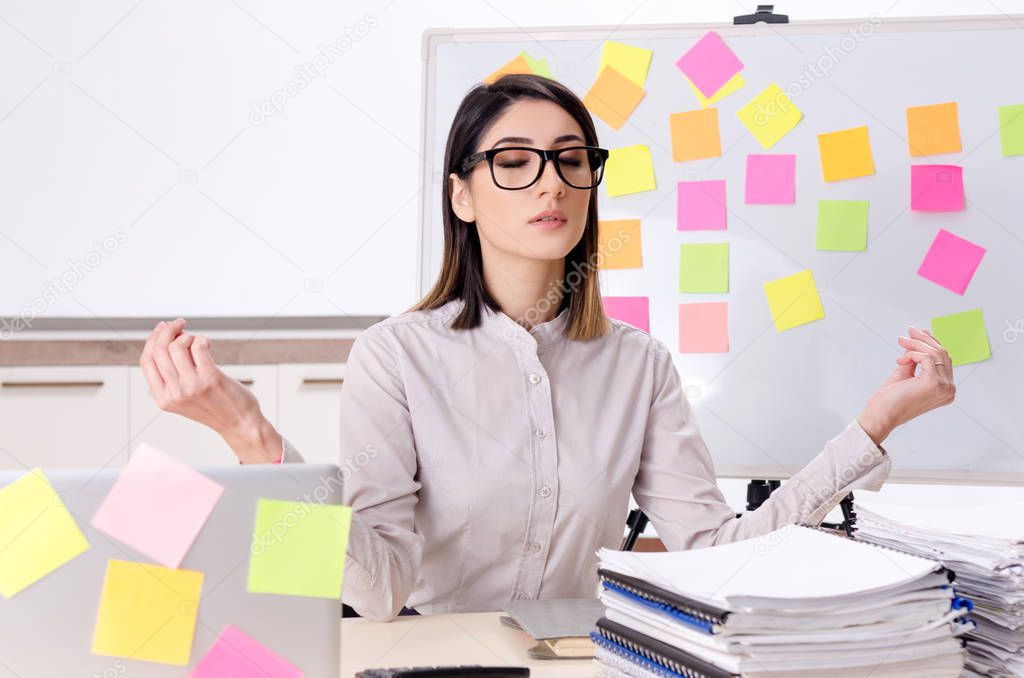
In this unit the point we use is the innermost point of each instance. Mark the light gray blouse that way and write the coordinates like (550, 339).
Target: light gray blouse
(490, 464)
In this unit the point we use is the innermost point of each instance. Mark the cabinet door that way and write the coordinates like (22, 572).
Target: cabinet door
(309, 401)
(184, 439)
(63, 417)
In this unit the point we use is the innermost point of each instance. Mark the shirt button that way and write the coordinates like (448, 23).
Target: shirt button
(534, 378)
(540, 433)
(523, 596)
(545, 492)
(534, 547)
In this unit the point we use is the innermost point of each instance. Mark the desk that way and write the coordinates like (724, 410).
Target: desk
(446, 640)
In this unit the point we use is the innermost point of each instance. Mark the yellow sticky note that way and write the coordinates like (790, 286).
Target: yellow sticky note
(631, 61)
(732, 84)
(629, 170)
(846, 154)
(695, 135)
(934, 129)
(618, 244)
(517, 65)
(147, 612)
(793, 300)
(770, 115)
(37, 533)
(613, 97)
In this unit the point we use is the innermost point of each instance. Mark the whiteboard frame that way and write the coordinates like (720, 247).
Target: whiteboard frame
(434, 37)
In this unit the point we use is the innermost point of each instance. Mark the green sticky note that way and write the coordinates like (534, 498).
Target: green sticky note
(298, 549)
(1011, 129)
(963, 335)
(37, 533)
(842, 225)
(704, 267)
(538, 66)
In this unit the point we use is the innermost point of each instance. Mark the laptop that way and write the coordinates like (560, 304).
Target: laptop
(47, 629)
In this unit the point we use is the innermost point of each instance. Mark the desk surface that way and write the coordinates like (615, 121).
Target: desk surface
(446, 640)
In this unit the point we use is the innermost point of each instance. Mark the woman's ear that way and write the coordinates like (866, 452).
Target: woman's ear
(462, 199)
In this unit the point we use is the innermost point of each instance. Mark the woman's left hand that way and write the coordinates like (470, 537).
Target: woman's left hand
(922, 381)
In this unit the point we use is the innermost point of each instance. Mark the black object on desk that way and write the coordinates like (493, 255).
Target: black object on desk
(764, 14)
(447, 672)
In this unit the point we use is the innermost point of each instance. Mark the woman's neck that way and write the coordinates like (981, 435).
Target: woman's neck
(528, 290)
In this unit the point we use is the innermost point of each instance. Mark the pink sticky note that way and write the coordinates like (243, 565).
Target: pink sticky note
(936, 188)
(237, 655)
(704, 327)
(632, 310)
(771, 179)
(709, 64)
(700, 205)
(951, 261)
(157, 506)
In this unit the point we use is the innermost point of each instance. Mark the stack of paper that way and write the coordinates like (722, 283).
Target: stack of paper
(795, 602)
(985, 547)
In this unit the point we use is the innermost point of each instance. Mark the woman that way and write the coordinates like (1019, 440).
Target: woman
(504, 420)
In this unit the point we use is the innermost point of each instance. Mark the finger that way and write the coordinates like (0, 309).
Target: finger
(919, 345)
(926, 337)
(926, 361)
(160, 353)
(181, 356)
(205, 366)
(153, 378)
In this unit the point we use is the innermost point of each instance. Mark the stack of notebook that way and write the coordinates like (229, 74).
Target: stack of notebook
(985, 546)
(797, 602)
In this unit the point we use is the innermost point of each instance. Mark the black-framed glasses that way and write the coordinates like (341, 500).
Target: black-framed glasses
(517, 167)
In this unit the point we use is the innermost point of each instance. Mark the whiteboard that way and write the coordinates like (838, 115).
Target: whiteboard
(769, 404)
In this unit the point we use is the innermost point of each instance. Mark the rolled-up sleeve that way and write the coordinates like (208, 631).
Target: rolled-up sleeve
(378, 468)
(675, 484)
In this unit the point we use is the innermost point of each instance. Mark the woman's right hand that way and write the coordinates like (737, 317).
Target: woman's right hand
(184, 379)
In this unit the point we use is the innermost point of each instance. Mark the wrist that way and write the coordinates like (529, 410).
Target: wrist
(874, 426)
(256, 442)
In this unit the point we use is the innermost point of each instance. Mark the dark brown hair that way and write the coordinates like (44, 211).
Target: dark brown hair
(461, 275)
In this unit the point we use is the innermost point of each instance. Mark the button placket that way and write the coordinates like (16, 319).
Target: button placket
(546, 474)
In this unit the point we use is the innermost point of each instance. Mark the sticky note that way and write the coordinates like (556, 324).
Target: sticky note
(135, 511)
(147, 612)
(793, 300)
(963, 336)
(704, 328)
(613, 97)
(951, 261)
(517, 65)
(619, 244)
(37, 533)
(695, 135)
(936, 188)
(771, 179)
(770, 116)
(846, 154)
(709, 64)
(629, 170)
(537, 66)
(735, 83)
(237, 655)
(298, 549)
(1011, 129)
(842, 225)
(634, 311)
(700, 205)
(632, 62)
(934, 129)
(704, 267)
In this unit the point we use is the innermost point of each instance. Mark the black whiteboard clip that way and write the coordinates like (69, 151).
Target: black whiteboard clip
(764, 13)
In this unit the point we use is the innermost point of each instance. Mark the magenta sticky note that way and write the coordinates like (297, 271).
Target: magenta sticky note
(237, 655)
(700, 205)
(771, 179)
(157, 506)
(936, 188)
(632, 310)
(704, 327)
(951, 261)
(709, 64)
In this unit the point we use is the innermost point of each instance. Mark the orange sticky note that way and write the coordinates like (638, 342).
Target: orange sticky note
(613, 97)
(695, 135)
(704, 327)
(933, 129)
(618, 244)
(846, 154)
(517, 65)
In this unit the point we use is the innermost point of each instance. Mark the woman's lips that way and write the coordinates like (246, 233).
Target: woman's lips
(548, 224)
